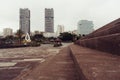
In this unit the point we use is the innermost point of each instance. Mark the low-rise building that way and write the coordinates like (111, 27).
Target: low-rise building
(47, 34)
(60, 29)
(7, 31)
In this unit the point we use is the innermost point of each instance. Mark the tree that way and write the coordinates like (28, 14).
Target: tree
(9, 39)
(66, 36)
(19, 34)
(38, 37)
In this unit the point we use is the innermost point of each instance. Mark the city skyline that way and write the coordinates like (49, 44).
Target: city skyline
(67, 13)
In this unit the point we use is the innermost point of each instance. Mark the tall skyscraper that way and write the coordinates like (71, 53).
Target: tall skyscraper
(25, 20)
(85, 27)
(49, 20)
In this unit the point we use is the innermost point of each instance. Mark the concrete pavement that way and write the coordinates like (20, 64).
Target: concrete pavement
(61, 67)
(95, 65)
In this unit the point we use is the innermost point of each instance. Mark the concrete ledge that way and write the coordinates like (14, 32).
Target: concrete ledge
(95, 65)
(79, 70)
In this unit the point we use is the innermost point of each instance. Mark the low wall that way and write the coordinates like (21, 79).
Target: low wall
(109, 43)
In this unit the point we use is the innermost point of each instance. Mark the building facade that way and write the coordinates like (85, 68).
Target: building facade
(85, 27)
(7, 31)
(49, 20)
(60, 29)
(49, 34)
(25, 20)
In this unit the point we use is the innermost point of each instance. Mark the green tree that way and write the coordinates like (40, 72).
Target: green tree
(66, 36)
(9, 39)
(19, 34)
(38, 37)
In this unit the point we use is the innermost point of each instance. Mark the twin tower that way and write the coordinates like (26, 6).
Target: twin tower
(25, 20)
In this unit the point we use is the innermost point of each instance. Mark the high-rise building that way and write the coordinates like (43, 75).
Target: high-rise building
(7, 31)
(85, 27)
(25, 20)
(49, 20)
(60, 29)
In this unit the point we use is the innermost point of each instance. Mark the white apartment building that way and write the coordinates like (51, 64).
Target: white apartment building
(7, 31)
(60, 29)
(49, 34)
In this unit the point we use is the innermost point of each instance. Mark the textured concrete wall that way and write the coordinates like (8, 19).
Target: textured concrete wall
(109, 43)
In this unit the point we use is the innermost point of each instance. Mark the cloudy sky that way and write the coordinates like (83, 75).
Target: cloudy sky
(67, 12)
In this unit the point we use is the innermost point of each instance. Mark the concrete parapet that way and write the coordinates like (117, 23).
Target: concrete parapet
(108, 43)
(79, 71)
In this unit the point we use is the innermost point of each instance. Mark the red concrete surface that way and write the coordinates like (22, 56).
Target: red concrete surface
(108, 43)
(59, 67)
(95, 65)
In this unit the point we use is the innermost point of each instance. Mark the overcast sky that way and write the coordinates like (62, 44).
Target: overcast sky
(66, 12)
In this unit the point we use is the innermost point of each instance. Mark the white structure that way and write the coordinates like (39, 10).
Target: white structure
(49, 20)
(48, 34)
(85, 27)
(7, 31)
(60, 29)
(27, 38)
(25, 20)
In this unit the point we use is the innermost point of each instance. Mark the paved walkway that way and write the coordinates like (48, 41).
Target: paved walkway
(76, 63)
(61, 67)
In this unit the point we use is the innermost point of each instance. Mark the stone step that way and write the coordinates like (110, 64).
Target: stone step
(108, 43)
(95, 65)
